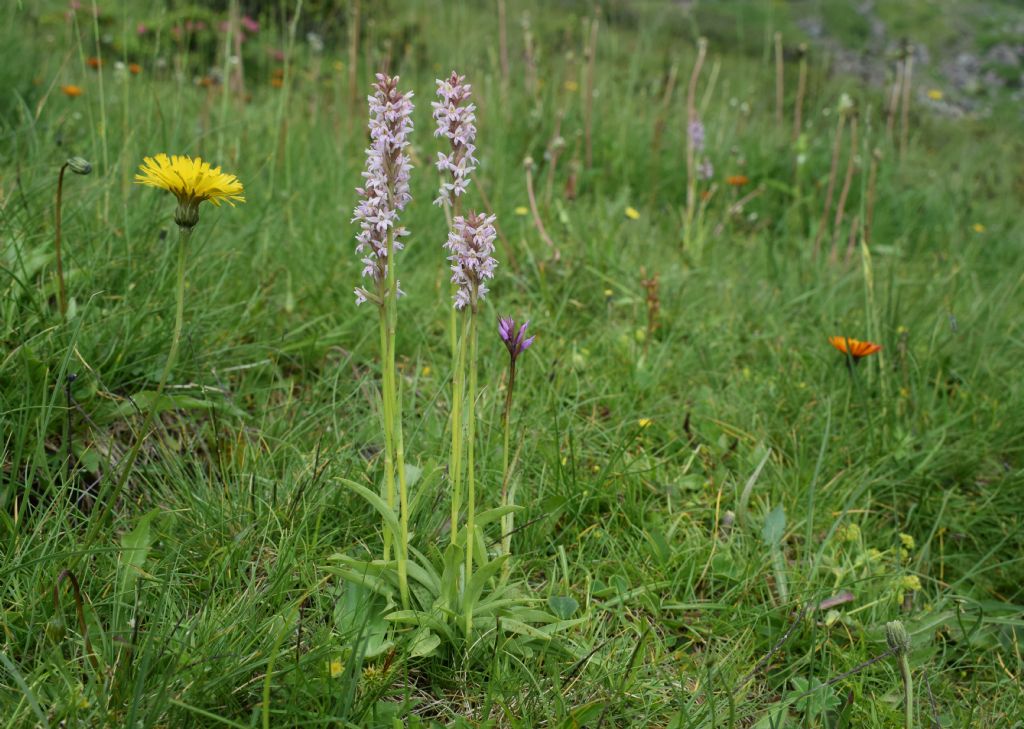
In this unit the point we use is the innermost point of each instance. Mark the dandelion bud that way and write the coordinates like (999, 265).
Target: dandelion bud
(897, 637)
(55, 629)
(79, 165)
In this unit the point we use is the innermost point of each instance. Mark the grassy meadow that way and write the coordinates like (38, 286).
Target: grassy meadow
(719, 513)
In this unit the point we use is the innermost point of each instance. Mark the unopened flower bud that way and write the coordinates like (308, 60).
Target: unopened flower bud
(79, 165)
(897, 637)
(55, 629)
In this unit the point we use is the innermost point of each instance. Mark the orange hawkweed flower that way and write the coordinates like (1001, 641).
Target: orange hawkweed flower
(135, 69)
(854, 347)
(71, 90)
(93, 62)
(737, 180)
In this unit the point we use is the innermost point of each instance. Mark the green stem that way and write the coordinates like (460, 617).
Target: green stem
(107, 504)
(455, 463)
(63, 299)
(908, 691)
(393, 412)
(506, 521)
(470, 479)
(387, 423)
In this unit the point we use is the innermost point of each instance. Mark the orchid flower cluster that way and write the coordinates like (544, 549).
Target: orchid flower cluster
(471, 243)
(456, 119)
(695, 132)
(386, 188)
(470, 246)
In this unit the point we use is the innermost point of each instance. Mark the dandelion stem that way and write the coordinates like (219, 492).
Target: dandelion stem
(184, 234)
(63, 299)
(470, 479)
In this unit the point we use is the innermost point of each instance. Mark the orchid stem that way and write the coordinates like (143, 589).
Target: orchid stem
(470, 479)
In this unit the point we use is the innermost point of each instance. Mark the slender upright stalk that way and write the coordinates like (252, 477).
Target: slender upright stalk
(63, 299)
(779, 80)
(393, 412)
(470, 452)
(353, 54)
(107, 505)
(801, 91)
(455, 463)
(894, 101)
(387, 422)
(588, 109)
(908, 75)
(851, 166)
(506, 475)
(836, 147)
(691, 152)
(908, 691)
(869, 213)
(503, 49)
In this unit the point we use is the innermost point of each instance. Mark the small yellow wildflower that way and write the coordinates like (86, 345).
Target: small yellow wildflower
(522, 211)
(978, 228)
(644, 422)
(910, 582)
(632, 213)
(427, 371)
(192, 181)
(571, 85)
(335, 668)
(907, 540)
(608, 293)
(935, 94)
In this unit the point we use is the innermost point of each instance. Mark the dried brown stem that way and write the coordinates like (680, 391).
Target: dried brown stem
(503, 47)
(869, 214)
(590, 53)
(908, 75)
(555, 254)
(836, 145)
(801, 91)
(894, 101)
(851, 166)
(509, 251)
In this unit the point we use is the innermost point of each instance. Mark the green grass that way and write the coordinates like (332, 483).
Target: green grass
(208, 601)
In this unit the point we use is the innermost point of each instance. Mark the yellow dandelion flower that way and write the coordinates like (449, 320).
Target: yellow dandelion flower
(644, 422)
(426, 371)
(192, 181)
(978, 228)
(632, 213)
(335, 668)
(935, 94)
(522, 211)
(907, 540)
(571, 85)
